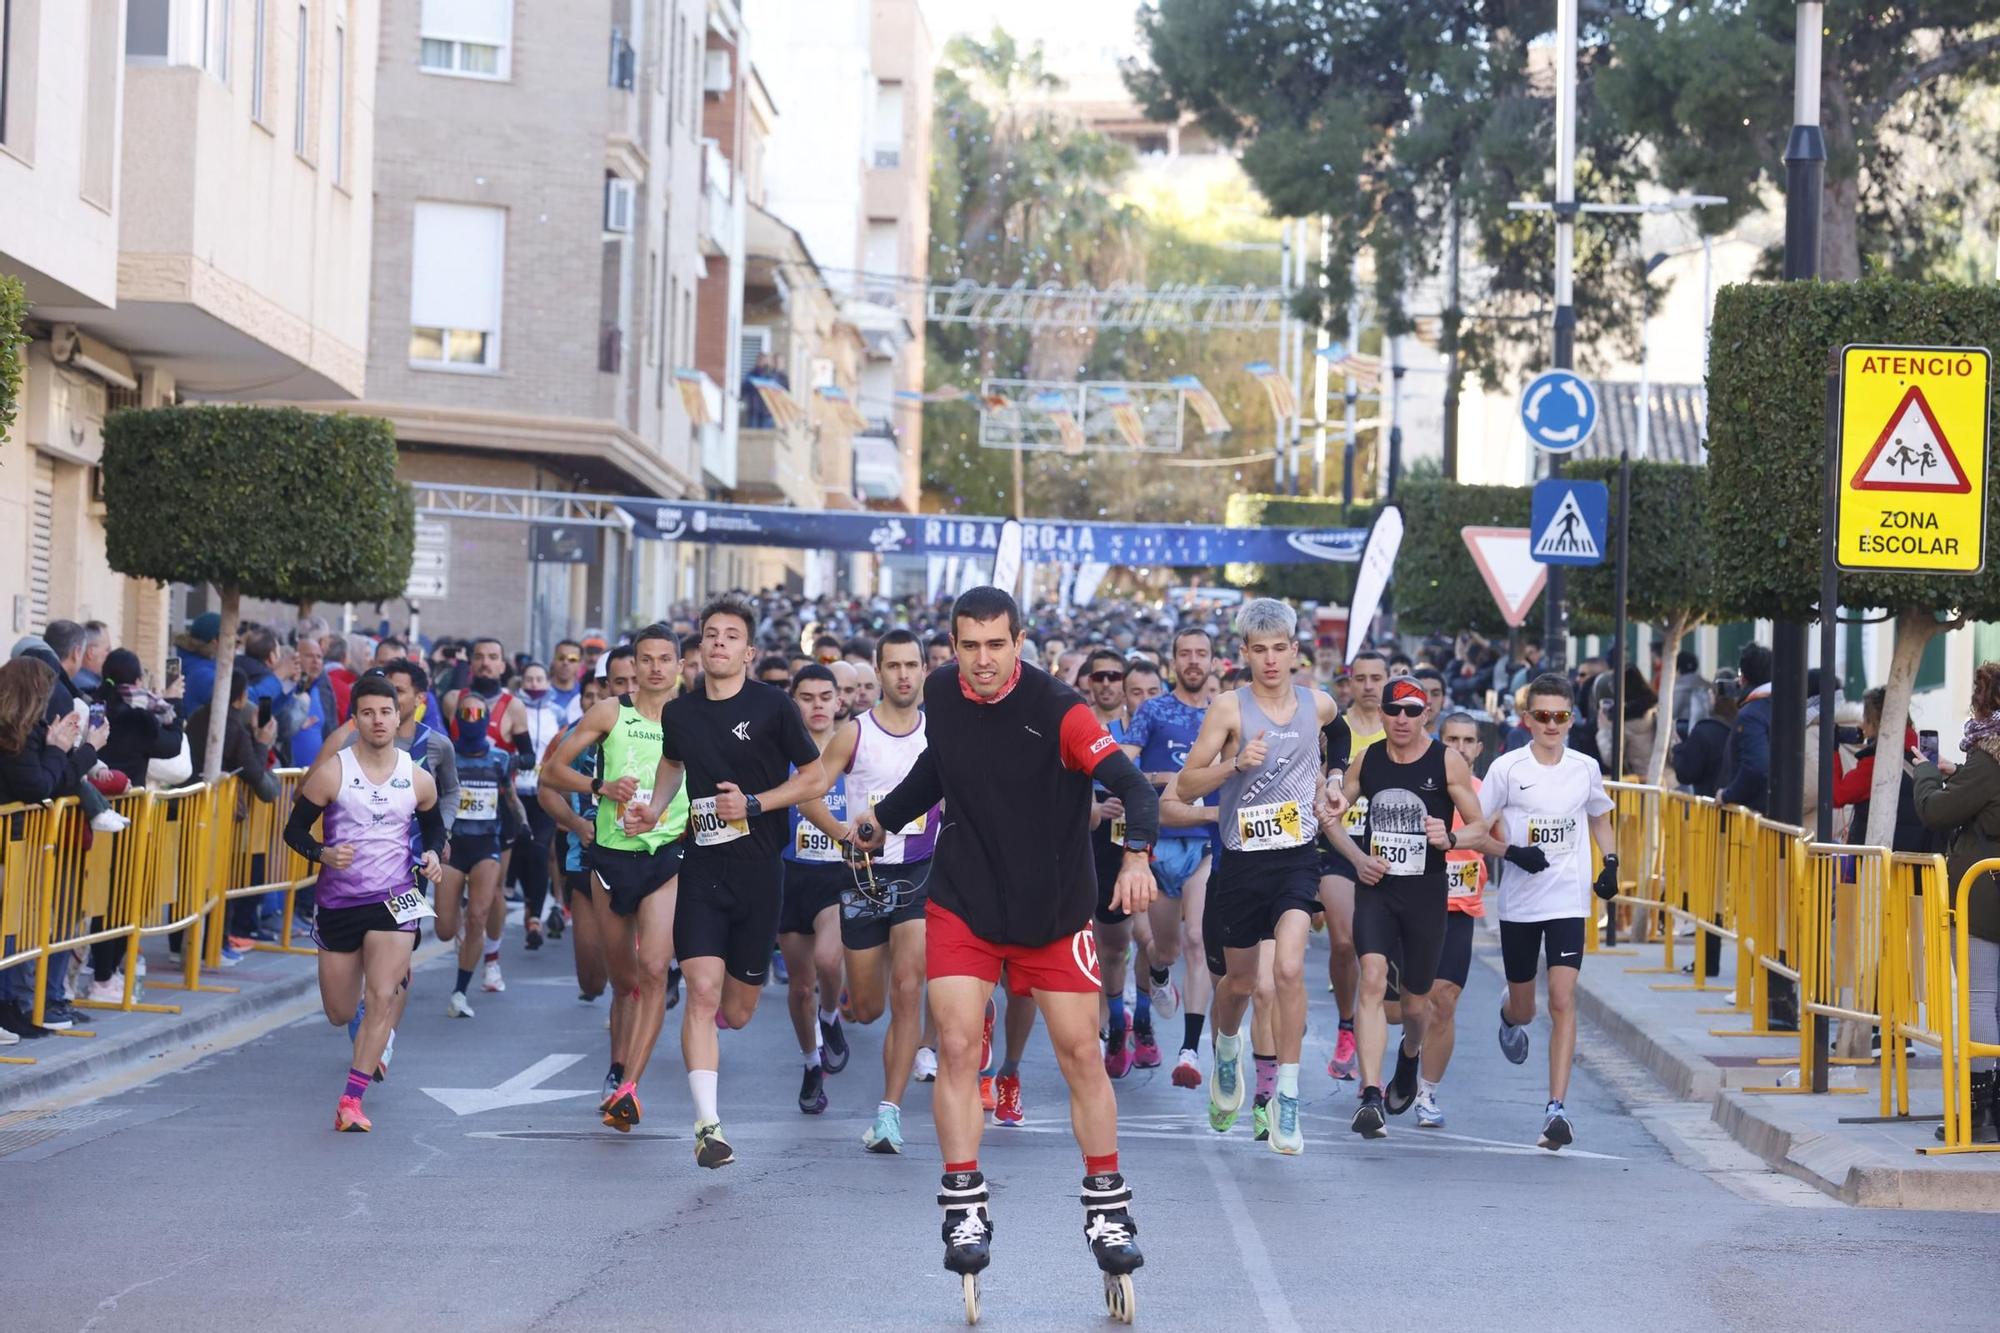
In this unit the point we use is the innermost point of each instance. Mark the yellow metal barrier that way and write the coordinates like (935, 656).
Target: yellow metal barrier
(1916, 983)
(258, 861)
(1960, 1050)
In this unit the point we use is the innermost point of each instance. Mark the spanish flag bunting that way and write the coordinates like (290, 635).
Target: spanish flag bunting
(1283, 403)
(1204, 404)
(1125, 416)
(841, 408)
(784, 410)
(689, 383)
(1069, 430)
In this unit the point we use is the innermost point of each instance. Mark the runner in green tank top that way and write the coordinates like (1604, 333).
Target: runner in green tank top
(633, 877)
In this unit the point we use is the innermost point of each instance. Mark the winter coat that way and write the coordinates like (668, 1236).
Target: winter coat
(1698, 760)
(197, 669)
(1966, 806)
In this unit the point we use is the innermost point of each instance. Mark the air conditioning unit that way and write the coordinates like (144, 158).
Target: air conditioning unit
(619, 203)
(716, 74)
(890, 158)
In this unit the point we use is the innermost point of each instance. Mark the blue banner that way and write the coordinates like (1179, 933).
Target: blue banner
(1124, 544)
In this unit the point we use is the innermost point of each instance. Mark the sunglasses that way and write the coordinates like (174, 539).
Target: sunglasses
(1552, 717)
(570, 657)
(1105, 677)
(1411, 709)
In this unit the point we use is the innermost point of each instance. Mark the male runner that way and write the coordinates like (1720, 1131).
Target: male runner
(1413, 784)
(1465, 872)
(1267, 884)
(1104, 679)
(746, 756)
(487, 815)
(1347, 739)
(809, 935)
(506, 719)
(1162, 733)
(1012, 753)
(566, 673)
(633, 860)
(575, 813)
(886, 941)
(1538, 798)
(366, 912)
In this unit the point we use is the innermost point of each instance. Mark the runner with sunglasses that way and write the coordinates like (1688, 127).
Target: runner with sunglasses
(1105, 676)
(1539, 800)
(1413, 785)
(1347, 738)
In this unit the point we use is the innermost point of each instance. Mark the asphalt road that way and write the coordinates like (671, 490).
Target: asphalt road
(217, 1197)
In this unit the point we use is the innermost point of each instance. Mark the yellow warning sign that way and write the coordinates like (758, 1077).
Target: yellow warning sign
(1913, 459)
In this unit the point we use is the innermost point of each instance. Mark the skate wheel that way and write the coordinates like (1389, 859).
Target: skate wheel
(1119, 1300)
(971, 1297)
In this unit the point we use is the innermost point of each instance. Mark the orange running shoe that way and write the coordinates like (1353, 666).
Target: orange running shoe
(1007, 1099)
(986, 1091)
(347, 1117)
(623, 1113)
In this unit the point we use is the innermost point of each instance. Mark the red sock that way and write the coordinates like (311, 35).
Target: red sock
(958, 1167)
(1106, 1165)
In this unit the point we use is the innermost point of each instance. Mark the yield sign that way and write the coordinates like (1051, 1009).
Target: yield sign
(1506, 561)
(1912, 453)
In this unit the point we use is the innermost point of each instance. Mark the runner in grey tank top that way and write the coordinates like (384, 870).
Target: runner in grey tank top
(1270, 808)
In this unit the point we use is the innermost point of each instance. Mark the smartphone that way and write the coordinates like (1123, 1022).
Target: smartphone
(263, 712)
(173, 670)
(1927, 741)
(96, 716)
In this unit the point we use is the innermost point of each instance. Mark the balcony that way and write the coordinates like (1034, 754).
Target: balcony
(719, 226)
(775, 467)
(878, 468)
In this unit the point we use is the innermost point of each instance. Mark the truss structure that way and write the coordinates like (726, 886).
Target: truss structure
(1176, 306)
(1011, 417)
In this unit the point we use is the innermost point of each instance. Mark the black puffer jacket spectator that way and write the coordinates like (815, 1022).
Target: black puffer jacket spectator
(144, 726)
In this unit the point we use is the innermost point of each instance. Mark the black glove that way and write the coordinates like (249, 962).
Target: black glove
(1607, 878)
(1531, 859)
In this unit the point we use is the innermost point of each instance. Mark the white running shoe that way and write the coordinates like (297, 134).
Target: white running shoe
(109, 991)
(490, 979)
(1166, 1000)
(925, 1070)
(457, 1007)
(1429, 1114)
(388, 1054)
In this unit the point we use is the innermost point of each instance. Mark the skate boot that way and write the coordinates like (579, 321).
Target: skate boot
(1113, 1237)
(968, 1232)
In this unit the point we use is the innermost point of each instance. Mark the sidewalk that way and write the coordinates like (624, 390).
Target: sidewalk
(1803, 1135)
(122, 1043)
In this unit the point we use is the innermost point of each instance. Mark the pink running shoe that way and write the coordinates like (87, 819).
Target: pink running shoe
(1341, 1066)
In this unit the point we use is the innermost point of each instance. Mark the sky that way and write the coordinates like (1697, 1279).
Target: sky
(1084, 38)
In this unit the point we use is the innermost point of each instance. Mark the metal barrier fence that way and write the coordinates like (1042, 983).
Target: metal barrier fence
(173, 871)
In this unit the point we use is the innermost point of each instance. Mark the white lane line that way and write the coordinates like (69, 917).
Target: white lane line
(1256, 1263)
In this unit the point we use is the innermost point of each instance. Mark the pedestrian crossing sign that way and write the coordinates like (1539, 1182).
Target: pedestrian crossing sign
(1569, 522)
(1912, 459)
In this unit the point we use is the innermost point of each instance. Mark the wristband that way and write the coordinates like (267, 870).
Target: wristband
(597, 786)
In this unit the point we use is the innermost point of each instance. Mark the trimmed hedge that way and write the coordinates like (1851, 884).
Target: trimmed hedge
(13, 344)
(1327, 584)
(1436, 586)
(1671, 556)
(1769, 347)
(270, 501)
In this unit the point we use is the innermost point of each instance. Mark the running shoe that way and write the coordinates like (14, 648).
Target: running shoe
(354, 1023)
(1007, 1099)
(1429, 1114)
(109, 991)
(1345, 1057)
(348, 1119)
(673, 987)
(457, 1007)
(240, 943)
(1402, 1089)
(623, 1113)
(1286, 1136)
(1556, 1131)
(833, 1047)
(1117, 1056)
(388, 1054)
(533, 929)
(1225, 1091)
(1260, 1116)
(1513, 1040)
(926, 1066)
(812, 1091)
(231, 955)
(710, 1148)
(1368, 1119)
(1187, 1070)
(1166, 997)
(886, 1134)
(490, 979)
(1145, 1050)
(610, 1092)
(553, 927)
(986, 1100)
(779, 973)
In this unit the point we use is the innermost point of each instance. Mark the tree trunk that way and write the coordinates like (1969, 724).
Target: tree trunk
(225, 667)
(1840, 205)
(1678, 626)
(1914, 629)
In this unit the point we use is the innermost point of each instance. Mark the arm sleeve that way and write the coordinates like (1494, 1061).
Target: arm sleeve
(1948, 803)
(1853, 786)
(1128, 784)
(430, 823)
(1338, 737)
(299, 828)
(1753, 762)
(1085, 742)
(444, 772)
(524, 751)
(915, 794)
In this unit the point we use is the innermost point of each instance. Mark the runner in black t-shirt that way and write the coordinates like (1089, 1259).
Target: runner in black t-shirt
(737, 741)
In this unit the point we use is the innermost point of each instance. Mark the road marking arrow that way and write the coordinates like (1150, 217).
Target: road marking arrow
(521, 1090)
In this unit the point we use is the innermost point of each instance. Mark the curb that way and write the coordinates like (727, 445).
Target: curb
(1685, 1072)
(1848, 1171)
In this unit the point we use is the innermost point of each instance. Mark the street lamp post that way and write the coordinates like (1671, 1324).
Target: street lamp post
(1555, 634)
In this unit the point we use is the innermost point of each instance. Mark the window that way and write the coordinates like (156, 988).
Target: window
(888, 125)
(619, 198)
(215, 38)
(6, 60)
(260, 37)
(339, 103)
(148, 24)
(467, 37)
(880, 256)
(299, 140)
(456, 261)
(624, 62)
(652, 307)
(673, 79)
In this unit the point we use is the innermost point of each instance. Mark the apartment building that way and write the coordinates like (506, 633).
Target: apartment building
(184, 191)
(537, 188)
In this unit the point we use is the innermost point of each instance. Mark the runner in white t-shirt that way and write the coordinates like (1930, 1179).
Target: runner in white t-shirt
(1545, 796)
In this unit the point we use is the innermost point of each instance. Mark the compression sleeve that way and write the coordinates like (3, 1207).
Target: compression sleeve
(917, 793)
(1128, 784)
(1084, 741)
(299, 829)
(524, 751)
(430, 823)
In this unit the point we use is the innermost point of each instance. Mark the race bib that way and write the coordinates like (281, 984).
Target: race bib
(1463, 877)
(813, 845)
(1556, 837)
(909, 830)
(410, 905)
(1356, 817)
(479, 801)
(710, 828)
(1403, 853)
(1270, 828)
